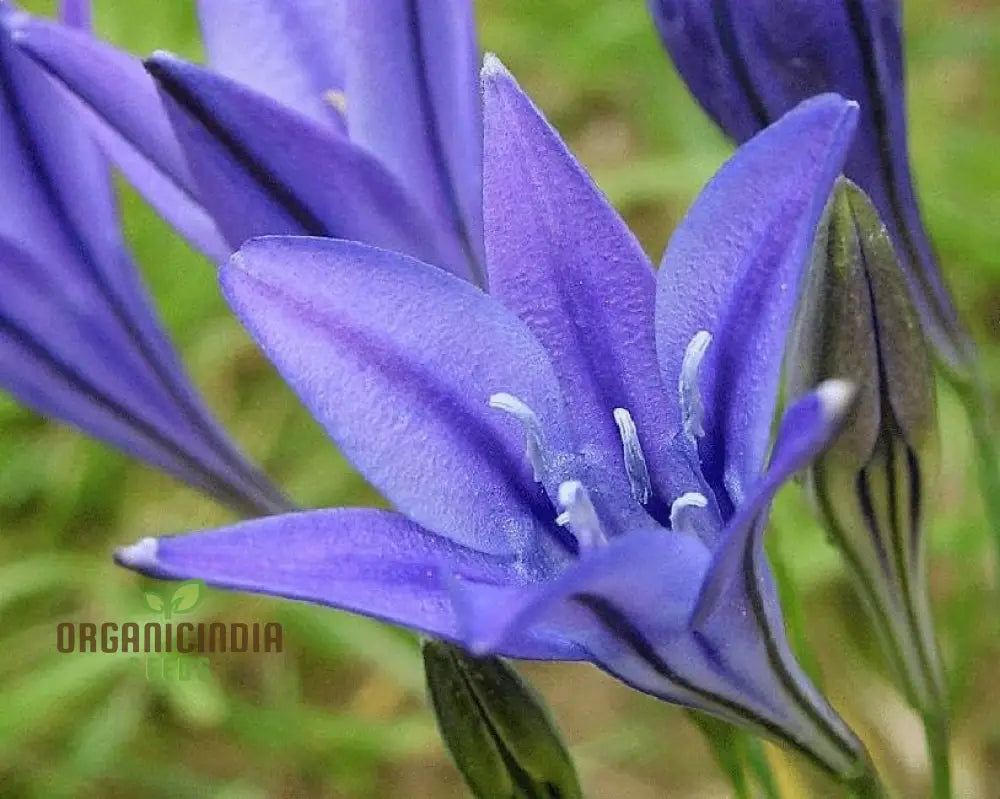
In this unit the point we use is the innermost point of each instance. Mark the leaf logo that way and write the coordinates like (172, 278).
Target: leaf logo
(184, 598)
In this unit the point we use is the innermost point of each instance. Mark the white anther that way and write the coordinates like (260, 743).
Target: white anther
(532, 430)
(681, 510)
(580, 516)
(692, 411)
(635, 461)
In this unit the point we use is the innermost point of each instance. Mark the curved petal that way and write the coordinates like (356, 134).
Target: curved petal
(703, 50)
(738, 667)
(733, 267)
(119, 103)
(367, 561)
(286, 49)
(807, 429)
(254, 183)
(562, 259)
(413, 101)
(627, 607)
(654, 575)
(65, 355)
(398, 360)
(750, 61)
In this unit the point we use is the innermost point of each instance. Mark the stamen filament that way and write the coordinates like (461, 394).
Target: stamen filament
(692, 410)
(535, 447)
(635, 461)
(681, 510)
(580, 516)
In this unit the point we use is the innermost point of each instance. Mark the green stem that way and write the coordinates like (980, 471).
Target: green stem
(729, 747)
(867, 785)
(761, 768)
(936, 731)
(975, 397)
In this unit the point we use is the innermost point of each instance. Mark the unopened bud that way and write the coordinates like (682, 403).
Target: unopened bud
(499, 733)
(857, 322)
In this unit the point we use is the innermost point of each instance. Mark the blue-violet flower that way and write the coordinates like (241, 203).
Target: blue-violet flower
(576, 459)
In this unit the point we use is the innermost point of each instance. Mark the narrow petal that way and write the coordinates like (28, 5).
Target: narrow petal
(413, 101)
(399, 360)
(562, 259)
(65, 354)
(367, 561)
(807, 428)
(733, 268)
(119, 103)
(286, 49)
(254, 183)
(59, 206)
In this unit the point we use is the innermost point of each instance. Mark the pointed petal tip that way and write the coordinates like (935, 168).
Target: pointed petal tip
(14, 21)
(493, 68)
(140, 556)
(161, 61)
(836, 396)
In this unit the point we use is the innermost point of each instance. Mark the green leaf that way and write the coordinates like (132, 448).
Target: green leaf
(187, 596)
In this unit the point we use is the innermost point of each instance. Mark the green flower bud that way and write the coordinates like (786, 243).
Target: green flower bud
(857, 322)
(496, 728)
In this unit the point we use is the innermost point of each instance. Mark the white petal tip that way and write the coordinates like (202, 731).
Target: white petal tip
(141, 555)
(493, 67)
(836, 396)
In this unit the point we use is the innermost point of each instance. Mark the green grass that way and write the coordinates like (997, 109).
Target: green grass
(340, 713)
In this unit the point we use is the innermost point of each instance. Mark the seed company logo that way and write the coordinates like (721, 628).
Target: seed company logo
(168, 648)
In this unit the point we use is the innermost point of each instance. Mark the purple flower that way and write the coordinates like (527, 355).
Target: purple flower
(353, 120)
(576, 459)
(78, 338)
(747, 62)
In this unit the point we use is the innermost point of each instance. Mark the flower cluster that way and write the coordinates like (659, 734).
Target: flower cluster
(577, 447)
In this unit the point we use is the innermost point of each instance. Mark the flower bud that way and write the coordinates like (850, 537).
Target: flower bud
(748, 62)
(857, 322)
(496, 728)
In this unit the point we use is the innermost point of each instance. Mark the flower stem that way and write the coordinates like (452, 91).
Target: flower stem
(867, 785)
(759, 764)
(975, 397)
(936, 731)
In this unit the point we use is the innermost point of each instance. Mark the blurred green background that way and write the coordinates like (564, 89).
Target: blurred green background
(341, 712)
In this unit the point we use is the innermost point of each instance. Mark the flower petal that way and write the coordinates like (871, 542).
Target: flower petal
(286, 49)
(750, 61)
(733, 268)
(702, 50)
(806, 429)
(75, 315)
(119, 103)
(413, 101)
(362, 560)
(654, 575)
(254, 183)
(562, 259)
(398, 360)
